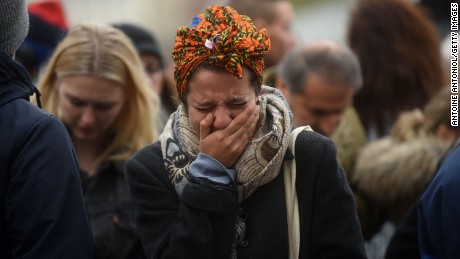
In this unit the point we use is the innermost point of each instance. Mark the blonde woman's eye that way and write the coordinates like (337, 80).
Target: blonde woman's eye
(103, 106)
(77, 103)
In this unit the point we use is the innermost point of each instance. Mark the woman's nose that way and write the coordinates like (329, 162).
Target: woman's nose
(87, 116)
(222, 118)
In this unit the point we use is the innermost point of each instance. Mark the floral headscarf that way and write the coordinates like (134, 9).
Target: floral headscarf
(223, 38)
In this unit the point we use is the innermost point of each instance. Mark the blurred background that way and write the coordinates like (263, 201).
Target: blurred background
(314, 18)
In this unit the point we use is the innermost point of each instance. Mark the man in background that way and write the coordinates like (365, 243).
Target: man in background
(319, 80)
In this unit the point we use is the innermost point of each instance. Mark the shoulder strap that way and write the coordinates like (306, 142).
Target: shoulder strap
(292, 207)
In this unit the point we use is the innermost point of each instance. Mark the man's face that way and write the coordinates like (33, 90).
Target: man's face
(280, 32)
(320, 105)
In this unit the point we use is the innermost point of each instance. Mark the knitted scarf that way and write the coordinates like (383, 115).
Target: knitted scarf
(260, 162)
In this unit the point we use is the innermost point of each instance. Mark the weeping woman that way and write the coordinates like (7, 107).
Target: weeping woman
(213, 186)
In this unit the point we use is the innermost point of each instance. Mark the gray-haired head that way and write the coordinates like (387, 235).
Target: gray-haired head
(14, 24)
(329, 60)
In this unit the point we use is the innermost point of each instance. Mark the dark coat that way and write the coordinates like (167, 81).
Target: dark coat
(42, 214)
(438, 212)
(404, 243)
(201, 223)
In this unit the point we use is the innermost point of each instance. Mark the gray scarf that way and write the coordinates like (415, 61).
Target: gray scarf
(260, 162)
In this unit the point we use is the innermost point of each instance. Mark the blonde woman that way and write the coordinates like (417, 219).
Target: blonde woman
(95, 84)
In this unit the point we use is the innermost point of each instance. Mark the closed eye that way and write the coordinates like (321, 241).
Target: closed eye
(203, 109)
(238, 105)
(77, 103)
(103, 106)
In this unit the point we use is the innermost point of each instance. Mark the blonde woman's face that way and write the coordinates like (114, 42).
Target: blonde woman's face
(89, 105)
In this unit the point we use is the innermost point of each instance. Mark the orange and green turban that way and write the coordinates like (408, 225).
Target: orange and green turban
(223, 38)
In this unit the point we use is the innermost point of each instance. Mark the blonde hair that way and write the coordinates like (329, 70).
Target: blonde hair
(103, 51)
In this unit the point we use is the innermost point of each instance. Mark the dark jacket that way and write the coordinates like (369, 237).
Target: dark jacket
(404, 243)
(201, 222)
(42, 214)
(438, 212)
(111, 213)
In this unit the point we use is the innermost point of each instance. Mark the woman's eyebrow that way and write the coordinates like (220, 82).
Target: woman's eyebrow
(203, 102)
(238, 98)
(74, 98)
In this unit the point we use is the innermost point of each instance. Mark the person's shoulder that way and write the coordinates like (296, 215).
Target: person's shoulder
(23, 119)
(446, 180)
(146, 164)
(450, 168)
(40, 119)
(29, 113)
(148, 154)
(314, 141)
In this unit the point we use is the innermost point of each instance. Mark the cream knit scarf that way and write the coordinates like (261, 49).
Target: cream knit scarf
(260, 162)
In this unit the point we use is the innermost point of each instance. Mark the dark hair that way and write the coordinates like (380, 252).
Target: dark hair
(399, 51)
(145, 43)
(333, 63)
(143, 40)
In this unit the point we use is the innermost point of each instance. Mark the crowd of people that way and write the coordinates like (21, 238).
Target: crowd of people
(105, 154)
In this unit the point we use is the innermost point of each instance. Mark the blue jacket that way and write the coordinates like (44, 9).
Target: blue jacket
(439, 212)
(42, 212)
